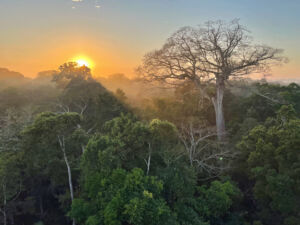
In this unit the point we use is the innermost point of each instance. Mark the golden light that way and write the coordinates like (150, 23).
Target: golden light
(83, 61)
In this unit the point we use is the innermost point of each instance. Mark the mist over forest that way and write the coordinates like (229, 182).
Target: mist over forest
(190, 139)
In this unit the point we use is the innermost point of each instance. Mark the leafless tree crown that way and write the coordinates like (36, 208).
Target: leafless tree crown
(208, 52)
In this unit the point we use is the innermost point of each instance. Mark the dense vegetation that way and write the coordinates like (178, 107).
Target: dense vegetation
(74, 152)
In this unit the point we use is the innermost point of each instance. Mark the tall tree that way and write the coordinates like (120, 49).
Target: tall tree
(11, 123)
(271, 152)
(10, 185)
(55, 135)
(209, 55)
(70, 71)
(79, 89)
(84, 95)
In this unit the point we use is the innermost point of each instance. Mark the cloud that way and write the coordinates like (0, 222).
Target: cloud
(77, 0)
(98, 6)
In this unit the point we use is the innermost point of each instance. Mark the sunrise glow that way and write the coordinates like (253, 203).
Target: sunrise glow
(111, 36)
(83, 61)
(150, 112)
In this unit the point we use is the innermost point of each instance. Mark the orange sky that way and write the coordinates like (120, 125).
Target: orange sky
(41, 35)
(106, 57)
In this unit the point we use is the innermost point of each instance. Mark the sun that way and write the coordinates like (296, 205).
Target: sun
(83, 61)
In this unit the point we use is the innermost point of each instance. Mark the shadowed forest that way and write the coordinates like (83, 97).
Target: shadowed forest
(190, 140)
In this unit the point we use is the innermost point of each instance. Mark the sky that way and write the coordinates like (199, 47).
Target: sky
(39, 35)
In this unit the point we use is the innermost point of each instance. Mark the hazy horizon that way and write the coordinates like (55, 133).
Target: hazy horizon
(114, 35)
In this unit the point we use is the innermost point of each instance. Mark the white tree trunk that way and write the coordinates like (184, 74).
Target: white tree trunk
(218, 106)
(4, 218)
(148, 161)
(82, 148)
(63, 149)
(148, 164)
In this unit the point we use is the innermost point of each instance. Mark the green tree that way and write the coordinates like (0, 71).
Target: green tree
(71, 71)
(11, 180)
(11, 184)
(122, 198)
(82, 94)
(49, 141)
(215, 201)
(272, 153)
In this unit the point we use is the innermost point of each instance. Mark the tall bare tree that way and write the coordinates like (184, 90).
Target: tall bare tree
(209, 55)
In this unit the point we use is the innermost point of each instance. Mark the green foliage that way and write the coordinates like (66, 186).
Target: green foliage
(163, 132)
(11, 182)
(129, 171)
(180, 184)
(116, 192)
(123, 197)
(82, 94)
(12, 98)
(69, 72)
(120, 94)
(48, 142)
(185, 105)
(127, 142)
(39, 223)
(215, 201)
(255, 103)
(41, 144)
(273, 159)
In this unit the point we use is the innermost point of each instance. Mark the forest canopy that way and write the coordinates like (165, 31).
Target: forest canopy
(79, 150)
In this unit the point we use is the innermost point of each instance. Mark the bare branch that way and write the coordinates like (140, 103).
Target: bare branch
(211, 53)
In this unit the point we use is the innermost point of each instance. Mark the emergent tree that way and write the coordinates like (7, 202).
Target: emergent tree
(209, 55)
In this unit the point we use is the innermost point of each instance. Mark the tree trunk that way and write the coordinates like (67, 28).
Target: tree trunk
(148, 162)
(63, 149)
(218, 106)
(4, 218)
(82, 148)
